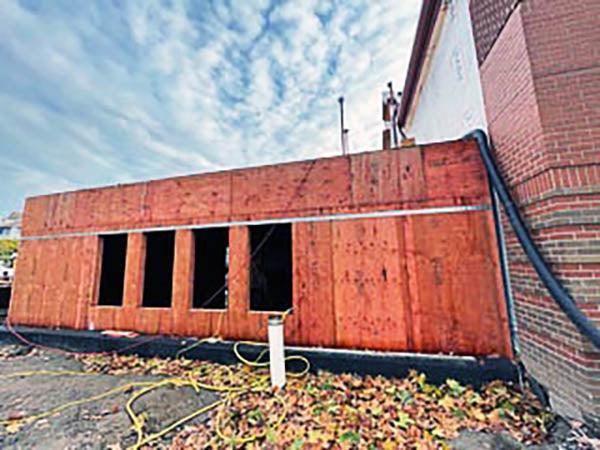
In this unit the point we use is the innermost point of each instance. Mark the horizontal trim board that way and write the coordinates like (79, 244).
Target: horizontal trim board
(321, 218)
(438, 368)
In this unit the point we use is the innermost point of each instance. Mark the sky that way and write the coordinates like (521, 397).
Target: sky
(105, 92)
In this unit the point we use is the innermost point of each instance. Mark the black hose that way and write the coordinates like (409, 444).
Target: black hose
(554, 286)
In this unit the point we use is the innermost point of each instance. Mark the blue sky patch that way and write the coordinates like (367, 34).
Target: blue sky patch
(117, 92)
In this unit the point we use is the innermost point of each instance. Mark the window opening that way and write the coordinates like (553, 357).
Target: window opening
(158, 269)
(112, 269)
(271, 267)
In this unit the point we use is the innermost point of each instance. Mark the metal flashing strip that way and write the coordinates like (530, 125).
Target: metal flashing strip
(321, 218)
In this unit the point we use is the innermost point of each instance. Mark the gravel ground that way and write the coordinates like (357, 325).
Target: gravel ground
(100, 425)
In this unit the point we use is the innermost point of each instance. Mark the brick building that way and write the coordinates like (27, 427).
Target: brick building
(539, 67)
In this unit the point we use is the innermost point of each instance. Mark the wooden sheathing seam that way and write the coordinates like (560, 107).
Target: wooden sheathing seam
(335, 331)
(406, 291)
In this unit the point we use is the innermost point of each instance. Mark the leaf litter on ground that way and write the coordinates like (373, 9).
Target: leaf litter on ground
(324, 410)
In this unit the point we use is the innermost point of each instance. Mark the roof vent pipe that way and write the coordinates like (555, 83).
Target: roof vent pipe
(393, 105)
(343, 130)
(386, 134)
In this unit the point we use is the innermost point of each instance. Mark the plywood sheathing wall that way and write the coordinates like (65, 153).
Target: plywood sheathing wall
(418, 283)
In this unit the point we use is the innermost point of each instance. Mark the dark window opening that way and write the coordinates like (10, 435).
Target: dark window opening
(112, 269)
(158, 272)
(211, 267)
(271, 267)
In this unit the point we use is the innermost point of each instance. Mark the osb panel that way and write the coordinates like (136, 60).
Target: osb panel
(417, 283)
(327, 186)
(388, 177)
(238, 322)
(292, 187)
(148, 320)
(188, 199)
(34, 215)
(114, 206)
(313, 317)
(420, 283)
(70, 297)
(182, 279)
(61, 211)
(449, 173)
(41, 303)
(89, 253)
(54, 282)
(452, 171)
(21, 291)
(457, 298)
(368, 285)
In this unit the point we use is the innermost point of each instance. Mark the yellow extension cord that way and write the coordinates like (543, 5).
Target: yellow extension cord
(259, 384)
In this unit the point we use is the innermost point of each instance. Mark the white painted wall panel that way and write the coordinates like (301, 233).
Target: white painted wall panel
(450, 103)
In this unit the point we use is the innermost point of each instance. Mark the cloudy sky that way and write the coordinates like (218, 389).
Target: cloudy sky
(95, 93)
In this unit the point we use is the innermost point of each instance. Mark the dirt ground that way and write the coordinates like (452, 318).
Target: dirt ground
(99, 425)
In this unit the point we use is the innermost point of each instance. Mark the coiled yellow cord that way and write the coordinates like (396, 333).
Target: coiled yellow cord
(258, 383)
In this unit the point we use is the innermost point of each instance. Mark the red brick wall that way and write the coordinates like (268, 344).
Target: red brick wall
(490, 15)
(541, 84)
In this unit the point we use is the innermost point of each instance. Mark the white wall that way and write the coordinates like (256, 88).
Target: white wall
(450, 103)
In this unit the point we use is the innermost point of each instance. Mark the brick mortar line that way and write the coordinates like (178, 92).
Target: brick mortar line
(566, 72)
(557, 346)
(557, 265)
(549, 168)
(559, 192)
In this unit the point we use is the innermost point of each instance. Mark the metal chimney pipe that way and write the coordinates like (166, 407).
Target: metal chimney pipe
(343, 131)
(393, 105)
(387, 121)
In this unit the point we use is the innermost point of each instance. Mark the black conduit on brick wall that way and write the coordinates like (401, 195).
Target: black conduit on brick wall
(554, 286)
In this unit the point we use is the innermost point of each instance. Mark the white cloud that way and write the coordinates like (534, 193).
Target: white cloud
(118, 92)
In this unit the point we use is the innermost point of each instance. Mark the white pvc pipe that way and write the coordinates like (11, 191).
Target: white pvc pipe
(276, 354)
